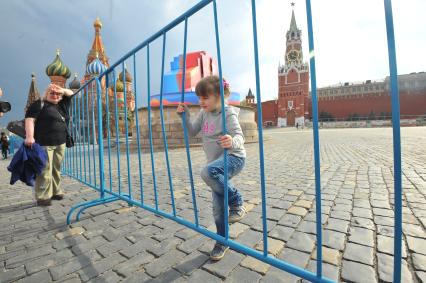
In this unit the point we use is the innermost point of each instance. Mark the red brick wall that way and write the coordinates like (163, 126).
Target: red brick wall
(269, 112)
(410, 104)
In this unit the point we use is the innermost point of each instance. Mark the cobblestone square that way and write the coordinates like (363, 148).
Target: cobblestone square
(118, 243)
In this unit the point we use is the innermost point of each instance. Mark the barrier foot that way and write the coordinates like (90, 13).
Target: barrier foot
(86, 205)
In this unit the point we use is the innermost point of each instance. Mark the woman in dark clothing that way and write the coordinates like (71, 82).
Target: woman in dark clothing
(4, 145)
(46, 124)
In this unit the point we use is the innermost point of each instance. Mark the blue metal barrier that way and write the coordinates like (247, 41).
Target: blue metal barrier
(91, 103)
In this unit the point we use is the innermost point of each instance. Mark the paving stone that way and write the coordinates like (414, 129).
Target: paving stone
(362, 212)
(243, 275)
(329, 271)
(419, 261)
(281, 233)
(141, 276)
(296, 210)
(236, 229)
(385, 231)
(308, 227)
(338, 225)
(361, 236)
(358, 253)
(48, 261)
(385, 221)
(363, 222)
(164, 262)
(23, 258)
(139, 247)
(295, 257)
(164, 246)
(10, 275)
(75, 264)
(303, 203)
(101, 266)
(192, 244)
(385, 245)
(255, 265)
(134, 264)
(42, 276)
(203, 276)
(334, 240)
(275, 275)
(413, 230)
(259, 225)
(421, 276)
(301, 242)
(274, 246)
(385, 269)
(328, 255)
(343, 215)
(223, 267)
(294, 193)
(70, 232)
(290, 220)
(88, 245)
(357, 272)
(417, 245)
(191, 262)
(250, 238)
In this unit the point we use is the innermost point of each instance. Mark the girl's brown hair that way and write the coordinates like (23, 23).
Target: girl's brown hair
(211, 85)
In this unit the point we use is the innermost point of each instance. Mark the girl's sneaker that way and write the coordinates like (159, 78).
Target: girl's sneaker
(236, 214)
(218, 251)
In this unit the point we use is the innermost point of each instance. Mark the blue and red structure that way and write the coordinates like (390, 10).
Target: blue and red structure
(112, 191)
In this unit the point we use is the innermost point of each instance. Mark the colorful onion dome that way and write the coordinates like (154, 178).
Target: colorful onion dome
(127, 75)
(119, 86)
(95, 67)
(75, 84)
(58, 68)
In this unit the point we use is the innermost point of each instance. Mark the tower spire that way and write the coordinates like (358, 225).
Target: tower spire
(33, 93)
(98, 49)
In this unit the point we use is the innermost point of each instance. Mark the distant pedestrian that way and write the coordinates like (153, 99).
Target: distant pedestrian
(4, 145)
(297, 125)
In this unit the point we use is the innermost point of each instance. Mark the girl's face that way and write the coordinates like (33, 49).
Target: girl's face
(210, 102)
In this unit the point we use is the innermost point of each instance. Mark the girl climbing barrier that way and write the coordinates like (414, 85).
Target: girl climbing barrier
(100, 111)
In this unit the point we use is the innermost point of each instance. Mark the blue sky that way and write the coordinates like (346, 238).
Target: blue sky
(349, 39)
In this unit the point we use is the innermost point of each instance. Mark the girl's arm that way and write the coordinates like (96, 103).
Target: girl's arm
(234, 130)
(193, 127)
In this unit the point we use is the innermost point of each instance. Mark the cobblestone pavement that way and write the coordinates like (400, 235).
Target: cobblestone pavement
(114, 242)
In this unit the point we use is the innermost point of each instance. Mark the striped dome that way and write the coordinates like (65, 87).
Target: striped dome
(95, 67)
(58, 68)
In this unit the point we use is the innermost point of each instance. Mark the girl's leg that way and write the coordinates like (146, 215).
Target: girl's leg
(213, 175)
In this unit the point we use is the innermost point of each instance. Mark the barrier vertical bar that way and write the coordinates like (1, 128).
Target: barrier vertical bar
(150, 127)
(396, 140)
(137, 127)
(224, 130)
(94, 130)
(108, 129)
(73, 131)
(166, 150)
(117, 135)
(316, 138)
(260, 130)
(88, 134)
(129, 180)
(100, 140)
(78, 139)
(84, 134)
(185, 131)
